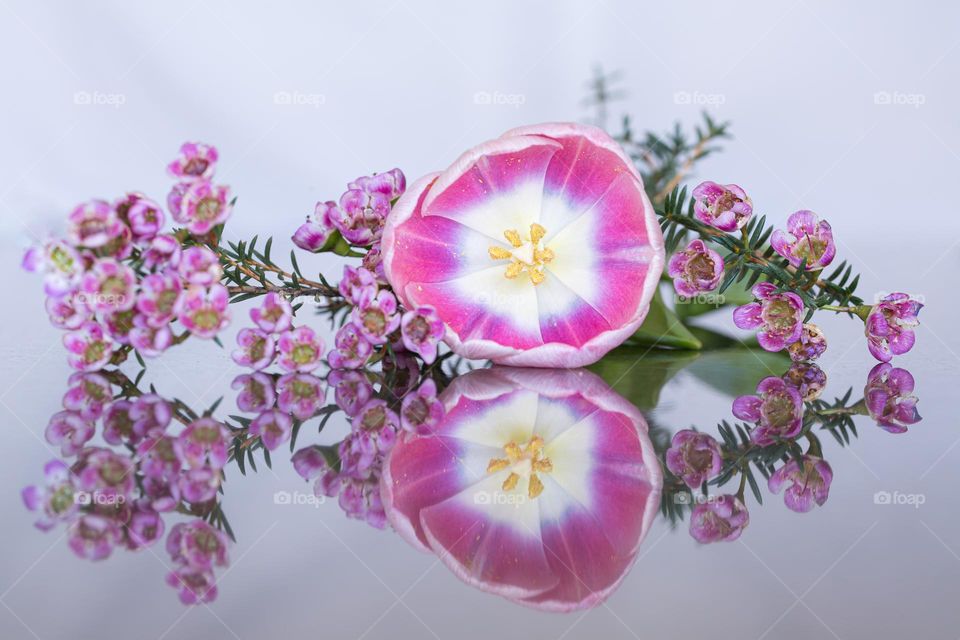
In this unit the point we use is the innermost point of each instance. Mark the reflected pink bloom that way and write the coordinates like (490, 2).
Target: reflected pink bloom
(200, 265)
(196, 161)
(256, 392)
(810, 346)
(351, 350)
(273, 428)
(88, 394)
(694, 457)
(807, 378)
(197, 544)
(529, 473)
(93, 537)
(55, 499)
(88, 348)
(421, 410)
(777, 409)
(204, 311)
(204, 442)
(300, 350)
(889, 327)
(719, 519)
(274, 315)
(538, 248)
(256, 349)
(194, 586)
(145, 527)
(109, 286)
(809, 482)
(889, 398)
(696, 269)
(725, 207)
(807, 239)
(93, 225)
(61, 266)
(778, 316)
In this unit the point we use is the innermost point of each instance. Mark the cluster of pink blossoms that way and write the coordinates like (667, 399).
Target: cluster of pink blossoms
(117, 280)
(117, 498)
(375, 423)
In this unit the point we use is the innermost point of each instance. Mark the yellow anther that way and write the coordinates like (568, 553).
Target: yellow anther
(535, 487)
(513, 451)
(544, 466)
(514, 269)
(527, 254)
(536, 233)
(536, 276)
(499, 253)
(513, 237)
(511, 482)
(497, 464)
(523, 461)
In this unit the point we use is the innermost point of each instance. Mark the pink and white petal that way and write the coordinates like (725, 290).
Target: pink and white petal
(495, 186)
(435, 249)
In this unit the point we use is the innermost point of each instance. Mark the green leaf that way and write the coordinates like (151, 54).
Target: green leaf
(663, 328)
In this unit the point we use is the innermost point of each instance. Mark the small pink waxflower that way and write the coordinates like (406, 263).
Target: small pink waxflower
(204, 310)
(810, 346)
(309, 462)
(198, 486)
(373, 262)
(807, 239)
(357, 285)
(256, 392)
(300, 350)
(719, 519)
(351, 390)
(197, 544)
(200, 265)
(159, 457)
(160, 297)
(163, 493)
(108, 286)
(377, 317)
(151, 415)
(93, 537)
(421, 331)
(193, 585)
(351, 350)
(390, 183)
(274, 315)
(106, 477)
(361, 216)
(61, 266)
(144, 217)
(256, 349)
(203, 443)
(779, 316)
(809, 482)
(777, 410)
(313, 234)
(694, 457)
(68, 431)
(196, 161)
(88, 394)
(889, 326)
(145, 527)
(360, 499)
(807, 378)
(696, 269)
(118, 424)
(273, 427)
(300, 394)
(163, 252)
(119, 324)
(88, 348)
(724, 207)
(67, 312)
(55, 500)
(150, 341)
(889, 398)
(204, 206)
(421, 410)
(93, 225)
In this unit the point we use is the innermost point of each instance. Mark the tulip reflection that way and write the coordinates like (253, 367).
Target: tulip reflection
(537, 485)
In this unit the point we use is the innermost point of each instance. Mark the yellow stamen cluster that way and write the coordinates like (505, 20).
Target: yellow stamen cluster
(527, 255)
(527, 460)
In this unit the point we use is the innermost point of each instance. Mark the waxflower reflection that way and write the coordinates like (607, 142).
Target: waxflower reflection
(528, 473)
(118, 496)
